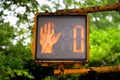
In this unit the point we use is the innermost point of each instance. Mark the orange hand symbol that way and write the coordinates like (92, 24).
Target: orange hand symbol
(48, 38)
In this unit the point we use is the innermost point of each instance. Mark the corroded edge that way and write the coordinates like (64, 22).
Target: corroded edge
(34, 38)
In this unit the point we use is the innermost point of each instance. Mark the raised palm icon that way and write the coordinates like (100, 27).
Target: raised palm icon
(48, 37)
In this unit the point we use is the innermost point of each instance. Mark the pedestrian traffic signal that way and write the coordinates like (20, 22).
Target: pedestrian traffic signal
(61, 38)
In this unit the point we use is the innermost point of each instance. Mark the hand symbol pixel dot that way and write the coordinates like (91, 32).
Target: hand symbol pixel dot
(48, 37)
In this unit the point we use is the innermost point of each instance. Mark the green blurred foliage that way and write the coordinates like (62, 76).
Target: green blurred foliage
(15, 59)
(104, 47)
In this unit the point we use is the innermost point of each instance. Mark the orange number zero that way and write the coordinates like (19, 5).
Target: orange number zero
(81, 39)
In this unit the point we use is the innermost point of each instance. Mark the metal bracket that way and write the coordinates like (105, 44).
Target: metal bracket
(61, 68)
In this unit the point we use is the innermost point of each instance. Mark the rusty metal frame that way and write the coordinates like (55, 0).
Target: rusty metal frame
(105, 69)
(113, 7)
(46, 63)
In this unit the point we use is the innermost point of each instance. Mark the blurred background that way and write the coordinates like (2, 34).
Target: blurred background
(16, 23)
